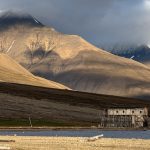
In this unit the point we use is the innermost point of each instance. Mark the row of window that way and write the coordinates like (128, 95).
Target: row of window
(132, 111)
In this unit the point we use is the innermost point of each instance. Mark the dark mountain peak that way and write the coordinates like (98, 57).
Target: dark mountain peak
(16, 14)
(139, 53)
(11, 18)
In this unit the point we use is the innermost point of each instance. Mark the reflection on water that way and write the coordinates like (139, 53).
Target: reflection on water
(82, 133)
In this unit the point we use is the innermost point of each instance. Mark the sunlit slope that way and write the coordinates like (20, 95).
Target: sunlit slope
(12, 72)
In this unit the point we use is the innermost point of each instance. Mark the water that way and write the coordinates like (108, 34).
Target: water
(82, 133)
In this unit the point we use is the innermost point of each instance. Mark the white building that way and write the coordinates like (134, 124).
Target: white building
(124, 117)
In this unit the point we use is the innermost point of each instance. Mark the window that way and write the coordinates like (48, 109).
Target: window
(123, 111)
(140, 111)
(133, 112)
(117, 111)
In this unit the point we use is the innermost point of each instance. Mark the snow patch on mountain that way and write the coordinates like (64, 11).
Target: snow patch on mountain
(36, 21)
(148, 45)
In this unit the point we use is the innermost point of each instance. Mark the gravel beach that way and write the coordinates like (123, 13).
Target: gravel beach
(71, 143)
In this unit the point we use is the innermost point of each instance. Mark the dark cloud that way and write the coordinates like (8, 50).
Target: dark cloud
(103, 22)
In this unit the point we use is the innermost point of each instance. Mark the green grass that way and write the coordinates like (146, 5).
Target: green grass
(35, 123)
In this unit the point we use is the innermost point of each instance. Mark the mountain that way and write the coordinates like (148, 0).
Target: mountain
(10, 18)
(72, 61)
(12, 72)
(139, 53)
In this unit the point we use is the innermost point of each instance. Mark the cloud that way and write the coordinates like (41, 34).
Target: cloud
(102, 22)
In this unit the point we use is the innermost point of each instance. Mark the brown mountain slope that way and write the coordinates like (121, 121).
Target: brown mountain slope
(12, 72)
(71, 60)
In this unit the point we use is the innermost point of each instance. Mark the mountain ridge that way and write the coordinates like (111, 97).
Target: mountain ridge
(138, 53)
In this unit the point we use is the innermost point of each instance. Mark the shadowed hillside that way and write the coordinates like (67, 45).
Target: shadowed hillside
(63, 106)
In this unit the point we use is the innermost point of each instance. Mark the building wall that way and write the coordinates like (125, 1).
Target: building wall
(148, 122)
(133, 118)
(123, 121)
(116, 121)
(134, 111)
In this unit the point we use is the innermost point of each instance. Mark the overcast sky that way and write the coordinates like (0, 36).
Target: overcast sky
(98, 21)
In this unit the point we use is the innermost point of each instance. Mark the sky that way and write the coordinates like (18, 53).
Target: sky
(101, 22)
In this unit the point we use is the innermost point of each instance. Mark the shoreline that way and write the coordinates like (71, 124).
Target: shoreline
(70, 128)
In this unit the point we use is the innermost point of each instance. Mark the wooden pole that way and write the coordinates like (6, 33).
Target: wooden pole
(30, 121)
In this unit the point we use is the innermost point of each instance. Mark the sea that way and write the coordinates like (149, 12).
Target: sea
(79, 133)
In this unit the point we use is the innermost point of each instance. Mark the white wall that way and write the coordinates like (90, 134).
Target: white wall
(134, 111)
